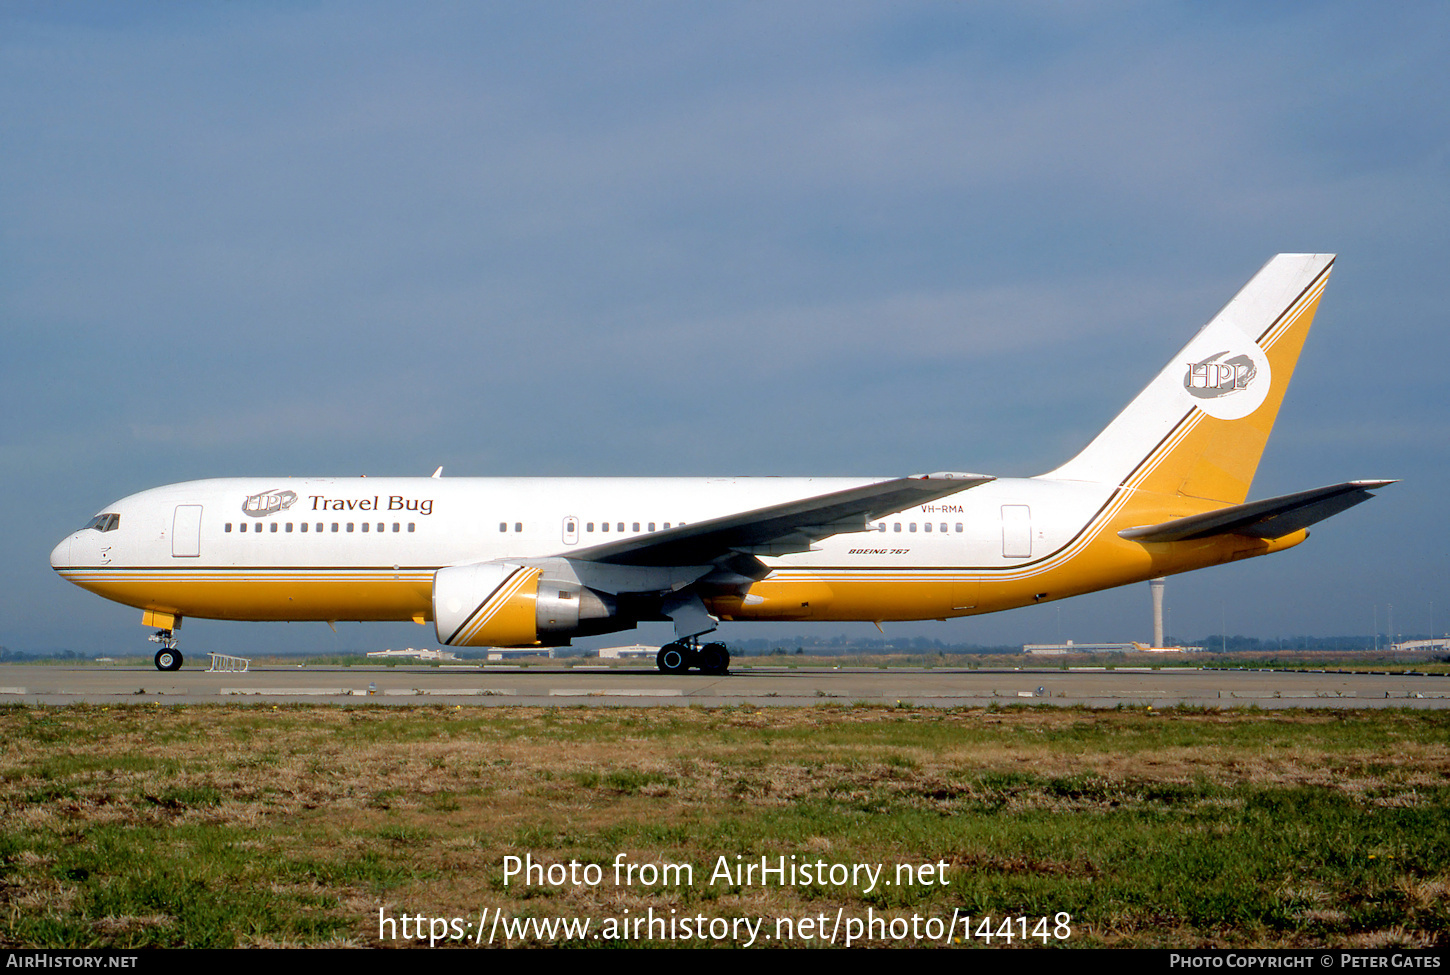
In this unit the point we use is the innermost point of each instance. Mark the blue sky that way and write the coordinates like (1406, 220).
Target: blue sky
(647, 238)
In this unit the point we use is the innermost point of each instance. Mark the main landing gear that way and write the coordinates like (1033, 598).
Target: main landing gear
(680, 656)
(168, 657)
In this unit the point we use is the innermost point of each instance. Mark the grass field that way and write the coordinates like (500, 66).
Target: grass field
(230, 825)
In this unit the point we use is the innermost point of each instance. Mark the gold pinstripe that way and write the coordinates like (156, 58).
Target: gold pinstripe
(515, 618)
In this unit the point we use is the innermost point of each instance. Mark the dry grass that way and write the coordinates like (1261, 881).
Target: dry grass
(295, 825)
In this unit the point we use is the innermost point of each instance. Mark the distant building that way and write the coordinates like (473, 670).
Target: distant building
(621, 653)
(511, 653)
(412, 654)
(1070, 647)
(1409, 646)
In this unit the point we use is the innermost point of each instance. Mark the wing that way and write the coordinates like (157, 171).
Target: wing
(1270, 518)
(779, 529)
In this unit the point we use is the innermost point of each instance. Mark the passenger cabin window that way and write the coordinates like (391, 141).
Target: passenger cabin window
(518, 526)
(411, 526)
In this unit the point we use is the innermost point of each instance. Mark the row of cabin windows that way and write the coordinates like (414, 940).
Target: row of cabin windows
(943, 527)
(911, 527)
(503, 526)
(366, 526)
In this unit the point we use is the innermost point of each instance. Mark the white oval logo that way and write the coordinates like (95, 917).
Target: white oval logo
(1229, 384)
(261, 505)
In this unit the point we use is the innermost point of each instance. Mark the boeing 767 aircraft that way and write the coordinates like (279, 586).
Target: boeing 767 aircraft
(518, 562)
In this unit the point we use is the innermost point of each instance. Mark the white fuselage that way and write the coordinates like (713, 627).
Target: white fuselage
(433, 522)
(368, 548)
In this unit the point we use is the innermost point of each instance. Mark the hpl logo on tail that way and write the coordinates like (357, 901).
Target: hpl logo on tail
(1230, 384)
(1211, 379)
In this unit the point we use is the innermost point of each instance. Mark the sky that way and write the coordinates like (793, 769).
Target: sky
(833, 238)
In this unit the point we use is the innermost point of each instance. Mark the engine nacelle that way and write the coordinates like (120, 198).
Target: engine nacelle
(487, 604)
(504, 604)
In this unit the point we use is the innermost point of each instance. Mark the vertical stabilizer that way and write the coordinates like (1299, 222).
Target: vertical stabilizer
(1199, 429)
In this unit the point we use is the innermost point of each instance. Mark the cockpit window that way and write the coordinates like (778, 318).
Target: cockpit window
(105, 523)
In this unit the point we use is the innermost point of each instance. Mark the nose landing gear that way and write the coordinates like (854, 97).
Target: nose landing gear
(682, 655)
(168, 657)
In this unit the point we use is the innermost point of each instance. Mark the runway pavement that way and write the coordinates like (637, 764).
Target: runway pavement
(562, 684)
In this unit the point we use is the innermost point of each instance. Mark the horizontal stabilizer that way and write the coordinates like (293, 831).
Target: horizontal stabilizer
(1270, 518)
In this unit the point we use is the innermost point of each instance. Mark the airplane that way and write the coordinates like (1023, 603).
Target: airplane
(536, 562)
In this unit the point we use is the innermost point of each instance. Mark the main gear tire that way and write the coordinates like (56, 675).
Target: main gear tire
(673, 658)
(714, 658)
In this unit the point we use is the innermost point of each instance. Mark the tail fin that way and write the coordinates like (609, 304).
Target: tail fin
(1199, 429)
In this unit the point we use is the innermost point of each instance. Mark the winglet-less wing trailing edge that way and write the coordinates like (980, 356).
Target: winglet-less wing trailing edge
(779, 529)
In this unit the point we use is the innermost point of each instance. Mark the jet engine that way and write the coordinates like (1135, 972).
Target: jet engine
(506, 604)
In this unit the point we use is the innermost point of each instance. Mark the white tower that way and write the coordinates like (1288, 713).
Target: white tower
(1156, 587)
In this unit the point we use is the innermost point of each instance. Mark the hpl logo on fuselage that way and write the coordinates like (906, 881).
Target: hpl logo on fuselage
(1211, 379)
(268, 502)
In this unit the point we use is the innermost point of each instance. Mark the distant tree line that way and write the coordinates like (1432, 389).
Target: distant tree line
(13, 656)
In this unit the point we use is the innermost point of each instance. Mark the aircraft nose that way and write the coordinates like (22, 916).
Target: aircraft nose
(60, 555)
